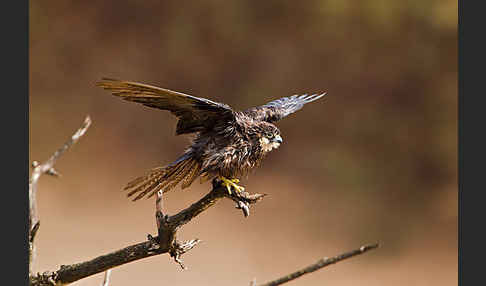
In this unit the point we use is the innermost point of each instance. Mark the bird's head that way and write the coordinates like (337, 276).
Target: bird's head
(269, 136)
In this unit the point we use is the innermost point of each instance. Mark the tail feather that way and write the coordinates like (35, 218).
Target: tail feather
(144, 192)
(158, 181)
(145, 182)
(179, 176)
(191, 176)
(185, 169)
(170, 183)
(153, 173)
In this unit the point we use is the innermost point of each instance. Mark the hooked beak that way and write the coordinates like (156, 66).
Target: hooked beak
(277, 139)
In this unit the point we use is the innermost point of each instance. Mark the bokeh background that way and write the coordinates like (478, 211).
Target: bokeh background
(376, 161)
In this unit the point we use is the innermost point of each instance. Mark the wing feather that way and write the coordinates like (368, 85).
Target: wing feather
(282, 107)
(195, 114)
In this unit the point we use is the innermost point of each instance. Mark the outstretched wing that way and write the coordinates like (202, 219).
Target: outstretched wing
(278, 109)
(195, 114)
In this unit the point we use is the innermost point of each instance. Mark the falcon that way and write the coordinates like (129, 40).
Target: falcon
(227, 145)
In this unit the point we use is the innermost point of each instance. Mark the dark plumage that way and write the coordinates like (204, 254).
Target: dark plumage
(227, 145)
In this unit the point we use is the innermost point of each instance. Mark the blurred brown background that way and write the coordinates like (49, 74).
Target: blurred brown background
(376, 161)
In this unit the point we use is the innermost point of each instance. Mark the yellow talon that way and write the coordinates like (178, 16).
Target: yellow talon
(228, 183)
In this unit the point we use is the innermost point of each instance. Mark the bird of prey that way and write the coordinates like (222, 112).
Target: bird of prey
(227, 144)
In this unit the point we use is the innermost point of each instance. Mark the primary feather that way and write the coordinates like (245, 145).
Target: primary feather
(194, 113)
(280, 108)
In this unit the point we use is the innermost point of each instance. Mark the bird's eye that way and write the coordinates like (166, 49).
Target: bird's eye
(269, 135)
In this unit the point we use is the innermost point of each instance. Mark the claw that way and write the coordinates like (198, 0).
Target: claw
(228, 183)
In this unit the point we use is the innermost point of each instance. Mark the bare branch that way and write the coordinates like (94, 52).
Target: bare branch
(165, 242)
(242, 198)
(320, 264)
(167, 227)
(46, 168)
(178, 249)
(167, 234)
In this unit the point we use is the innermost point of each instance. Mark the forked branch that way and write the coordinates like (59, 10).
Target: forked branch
(167, 226)
(164, 242)
(46, 168)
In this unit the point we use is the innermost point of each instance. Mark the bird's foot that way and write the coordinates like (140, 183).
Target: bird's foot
(228, 183)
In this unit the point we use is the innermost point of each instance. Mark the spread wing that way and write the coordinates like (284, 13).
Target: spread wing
(195, 114)
(278, 109)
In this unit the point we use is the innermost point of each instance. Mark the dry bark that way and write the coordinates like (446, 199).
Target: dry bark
(166, 240)
(46, 168)
(319, 265)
